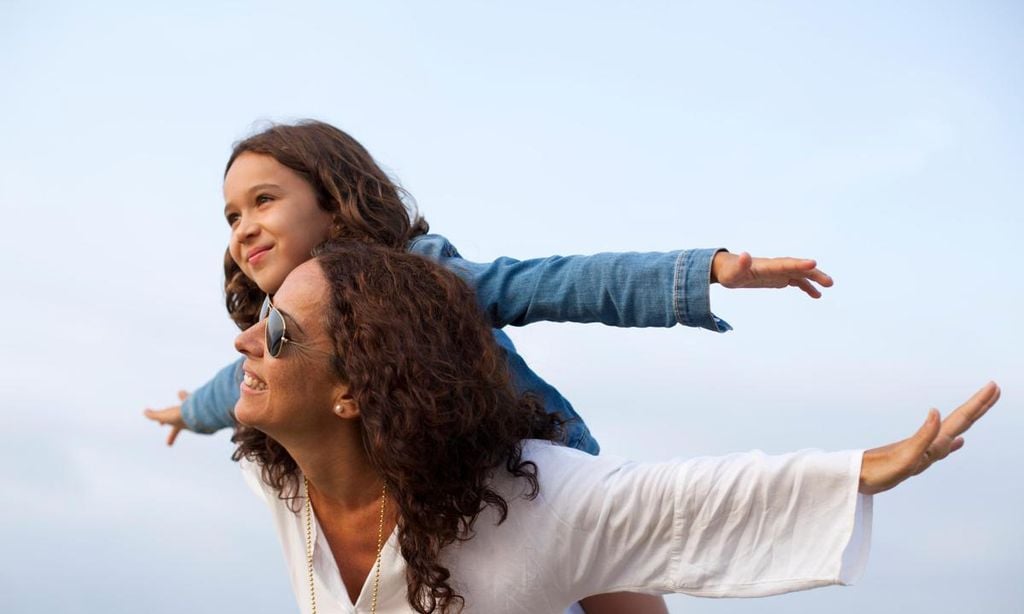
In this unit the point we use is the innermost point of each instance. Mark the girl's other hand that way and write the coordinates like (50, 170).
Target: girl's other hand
(743, 271)
(171, 416)
(885, 467)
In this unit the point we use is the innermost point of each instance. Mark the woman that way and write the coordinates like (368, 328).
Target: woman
(290, 187)
(381, 428)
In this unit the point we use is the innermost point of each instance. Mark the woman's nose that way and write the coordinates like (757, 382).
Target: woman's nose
(250, 341)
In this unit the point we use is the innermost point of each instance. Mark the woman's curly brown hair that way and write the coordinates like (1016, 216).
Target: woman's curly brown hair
(367, 205)
(439, 414)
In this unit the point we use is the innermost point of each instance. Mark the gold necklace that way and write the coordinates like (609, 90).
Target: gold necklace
(309, 547)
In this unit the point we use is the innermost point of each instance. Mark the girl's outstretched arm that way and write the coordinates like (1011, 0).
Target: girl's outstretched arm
(655, 289)
(617, 289)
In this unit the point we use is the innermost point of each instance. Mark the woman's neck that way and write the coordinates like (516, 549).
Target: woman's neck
(337, 467)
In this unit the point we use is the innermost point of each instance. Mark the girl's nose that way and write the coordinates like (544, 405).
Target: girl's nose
(247, 228)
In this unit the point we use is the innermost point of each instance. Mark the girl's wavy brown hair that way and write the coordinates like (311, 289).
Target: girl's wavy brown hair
(367, 205)
(439, 414)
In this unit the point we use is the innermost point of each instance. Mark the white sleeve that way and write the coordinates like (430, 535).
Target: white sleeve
(744, 525)
(252, 474)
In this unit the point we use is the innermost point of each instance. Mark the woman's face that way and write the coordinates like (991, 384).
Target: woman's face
(274, 217)
(297, 390)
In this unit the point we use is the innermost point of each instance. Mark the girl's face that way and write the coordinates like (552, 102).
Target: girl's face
(296, 391)
(274, 217)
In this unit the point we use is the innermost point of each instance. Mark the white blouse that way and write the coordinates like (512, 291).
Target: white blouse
(744, 525)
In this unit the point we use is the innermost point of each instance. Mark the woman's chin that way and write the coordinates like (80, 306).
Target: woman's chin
(246, 415)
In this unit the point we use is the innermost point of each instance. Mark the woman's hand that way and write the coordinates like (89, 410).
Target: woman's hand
(743, 271)
(171, 416)
(885, 467)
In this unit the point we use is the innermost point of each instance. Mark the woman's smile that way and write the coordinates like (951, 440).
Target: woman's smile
(252, 384)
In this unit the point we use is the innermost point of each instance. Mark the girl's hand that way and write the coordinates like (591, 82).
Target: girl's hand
(743, 271)
(170, 416)
(885, 467)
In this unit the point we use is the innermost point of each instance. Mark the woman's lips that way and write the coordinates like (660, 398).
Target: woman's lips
(252, 384)
(258, 255)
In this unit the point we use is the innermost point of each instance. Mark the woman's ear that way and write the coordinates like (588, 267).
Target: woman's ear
(345, 406)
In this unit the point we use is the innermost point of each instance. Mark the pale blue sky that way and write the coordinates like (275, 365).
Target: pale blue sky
(885, 141)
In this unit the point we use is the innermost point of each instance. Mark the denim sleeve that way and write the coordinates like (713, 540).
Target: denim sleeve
(211, 407)
(617, 289)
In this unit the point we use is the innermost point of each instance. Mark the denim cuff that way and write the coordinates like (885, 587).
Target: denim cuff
(692, 290)
(189, 417)
(209, 408)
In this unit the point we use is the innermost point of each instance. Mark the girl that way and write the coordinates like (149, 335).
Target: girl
(290, 188)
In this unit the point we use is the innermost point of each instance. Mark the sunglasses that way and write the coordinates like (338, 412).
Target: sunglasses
(276, 331)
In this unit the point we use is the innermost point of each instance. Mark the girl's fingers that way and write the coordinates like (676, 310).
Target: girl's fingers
(744, 261)
(820, 277)
(806, 286)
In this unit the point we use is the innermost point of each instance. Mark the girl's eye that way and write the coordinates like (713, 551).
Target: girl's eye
(232, 219)
(263, 198)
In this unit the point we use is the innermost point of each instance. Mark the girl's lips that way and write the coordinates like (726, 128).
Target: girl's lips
(257, 256)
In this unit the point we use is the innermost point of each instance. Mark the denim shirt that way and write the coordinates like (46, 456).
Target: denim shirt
(617, 289)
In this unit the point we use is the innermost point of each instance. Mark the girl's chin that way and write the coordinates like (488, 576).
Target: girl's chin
(268, 281)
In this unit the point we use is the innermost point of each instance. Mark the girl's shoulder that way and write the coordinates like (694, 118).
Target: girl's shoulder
(433, 246)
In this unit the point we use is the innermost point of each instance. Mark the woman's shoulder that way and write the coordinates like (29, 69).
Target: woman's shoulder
(565, 471)
(252, 473)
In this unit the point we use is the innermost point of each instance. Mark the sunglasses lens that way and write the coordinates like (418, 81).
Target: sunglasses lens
(275, 333)
(265, 309)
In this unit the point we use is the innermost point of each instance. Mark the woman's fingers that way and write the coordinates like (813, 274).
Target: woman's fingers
(957, 444)
(918, 446)
(967, 414)
(922, 450)
(958, 422)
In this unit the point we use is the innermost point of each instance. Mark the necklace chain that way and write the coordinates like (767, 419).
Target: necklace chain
(309, 547)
